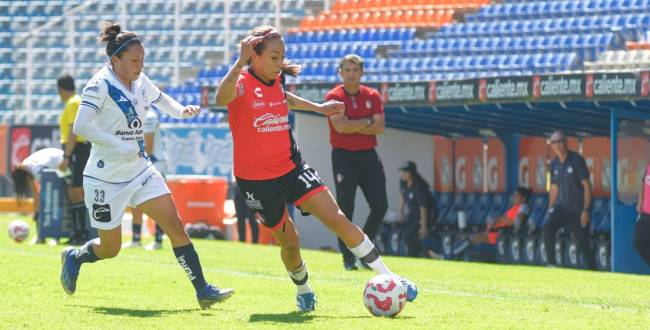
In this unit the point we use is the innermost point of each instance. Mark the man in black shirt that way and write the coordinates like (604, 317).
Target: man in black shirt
(569, 200)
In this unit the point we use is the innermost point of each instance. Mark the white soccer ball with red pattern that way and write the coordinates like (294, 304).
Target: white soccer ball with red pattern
(385, 295)
(18, 230)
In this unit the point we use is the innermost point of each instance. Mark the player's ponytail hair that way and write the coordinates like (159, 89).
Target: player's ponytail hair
(20, 177)
(269, 33)
(117, 41)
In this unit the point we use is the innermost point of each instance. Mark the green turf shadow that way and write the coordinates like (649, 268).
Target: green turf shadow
(295, 317)
(116, 311)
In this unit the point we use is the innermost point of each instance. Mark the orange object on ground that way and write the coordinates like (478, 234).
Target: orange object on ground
(199, 198)
(9, 204)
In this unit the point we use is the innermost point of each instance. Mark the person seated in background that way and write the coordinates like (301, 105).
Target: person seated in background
(27, 176)
(514, 218)
(417, 211)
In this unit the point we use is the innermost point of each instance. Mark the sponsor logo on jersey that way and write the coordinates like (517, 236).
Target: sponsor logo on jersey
(258, 104)
(258, 92)
(135, 123)
(102, 212)
(268, 123)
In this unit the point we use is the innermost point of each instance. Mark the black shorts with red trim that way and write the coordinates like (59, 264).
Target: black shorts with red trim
(268, 199)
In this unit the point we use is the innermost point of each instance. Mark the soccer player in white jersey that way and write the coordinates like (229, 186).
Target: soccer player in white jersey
(119, 172)
(153, 145)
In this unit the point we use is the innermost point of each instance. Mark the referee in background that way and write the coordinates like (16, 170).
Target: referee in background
(76, 151)
(354, 159)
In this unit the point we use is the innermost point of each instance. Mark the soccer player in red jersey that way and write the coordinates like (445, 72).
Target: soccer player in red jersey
(268, 165)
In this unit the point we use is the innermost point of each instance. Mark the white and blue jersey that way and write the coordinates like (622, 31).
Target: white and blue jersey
(121, 112)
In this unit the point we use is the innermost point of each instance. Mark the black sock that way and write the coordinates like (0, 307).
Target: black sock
(137, 232)
(85, 253)
(159, 234)
(189, 261)
(78, 211)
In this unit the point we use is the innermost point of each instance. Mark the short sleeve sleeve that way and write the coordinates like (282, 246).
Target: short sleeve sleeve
(70, 112)
(377, 105)
(554, 172)
(151, 91)
(332, 95)
(422, 196)
(240, 90)
(94, 94)
(581, 169)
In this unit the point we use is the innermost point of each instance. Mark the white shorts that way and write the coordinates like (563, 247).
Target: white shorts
(106, 201)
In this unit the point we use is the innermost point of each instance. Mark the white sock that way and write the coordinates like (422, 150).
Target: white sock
(367, 253)
(299, 278)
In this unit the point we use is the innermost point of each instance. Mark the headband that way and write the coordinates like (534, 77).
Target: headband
(124, 44)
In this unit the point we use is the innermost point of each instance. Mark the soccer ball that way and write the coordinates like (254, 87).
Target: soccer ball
(384, 296)
(18, 230)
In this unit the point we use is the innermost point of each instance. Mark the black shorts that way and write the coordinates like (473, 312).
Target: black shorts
(268, 199)
(78, 160)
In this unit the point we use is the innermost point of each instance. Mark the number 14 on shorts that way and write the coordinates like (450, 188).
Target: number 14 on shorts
(310, 176)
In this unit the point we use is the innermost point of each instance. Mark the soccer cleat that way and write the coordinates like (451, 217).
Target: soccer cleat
(211, 295)
(132, 245)
(153, 246)
(306, 302)
(411, 289)
(350, 265)
(69, 270)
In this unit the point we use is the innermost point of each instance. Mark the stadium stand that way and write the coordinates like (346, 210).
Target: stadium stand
(201, 38)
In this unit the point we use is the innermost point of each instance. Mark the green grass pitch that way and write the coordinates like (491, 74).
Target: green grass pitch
(148, 290)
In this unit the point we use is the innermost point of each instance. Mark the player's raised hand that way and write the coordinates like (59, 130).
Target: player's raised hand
(191, 111)
(332, 107)
(246, 48)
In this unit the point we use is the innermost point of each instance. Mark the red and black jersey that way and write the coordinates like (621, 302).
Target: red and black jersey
(361, 105)
(264, 147)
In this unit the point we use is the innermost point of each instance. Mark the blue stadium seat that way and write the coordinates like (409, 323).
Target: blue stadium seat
(601, 216)
(451, 219)
(539, 208)
(478, 218)
(445, 205)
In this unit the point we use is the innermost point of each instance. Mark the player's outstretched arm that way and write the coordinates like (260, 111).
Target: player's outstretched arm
(328, 108)
(171, 107)
(85, 127)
